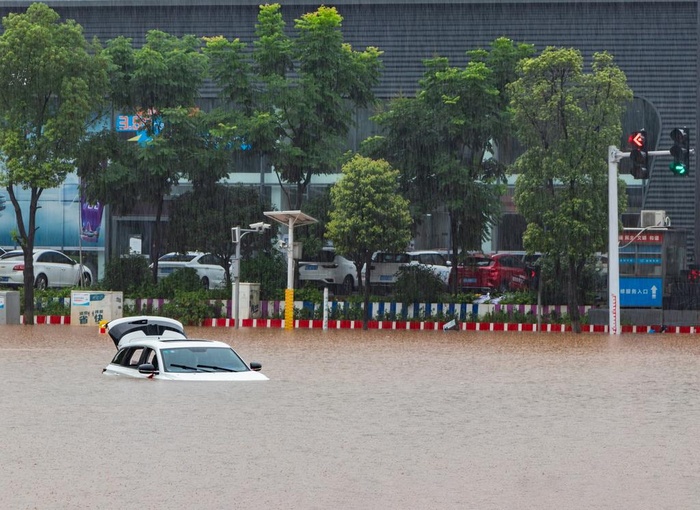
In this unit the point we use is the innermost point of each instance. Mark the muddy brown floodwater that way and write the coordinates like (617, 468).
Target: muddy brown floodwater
(357, 420)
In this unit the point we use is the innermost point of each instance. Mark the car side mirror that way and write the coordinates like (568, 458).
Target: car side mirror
(255, 366)
(147, 368)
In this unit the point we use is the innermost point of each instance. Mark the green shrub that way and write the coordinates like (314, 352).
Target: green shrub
(270, 271)
(418, 283)
(129, 274)
(191, 307)
(185, 279)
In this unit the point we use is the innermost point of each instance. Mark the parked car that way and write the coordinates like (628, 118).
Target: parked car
(157, 348)
(384, 268)
(499, 272)
(209, 269)
(329, 268)
(52, 268)
(435, 261)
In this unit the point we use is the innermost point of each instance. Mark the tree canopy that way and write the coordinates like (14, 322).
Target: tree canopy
(368, 214)
(52, 84)
(306, 88)
(567, 118)
(442, 140)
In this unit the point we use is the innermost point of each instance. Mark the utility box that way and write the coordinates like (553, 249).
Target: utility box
(9, 307)
(249, 296)
(91, 308)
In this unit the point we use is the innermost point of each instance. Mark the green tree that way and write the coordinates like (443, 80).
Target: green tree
(306, 90)
(202, 219)
(159, 82)
(368, 214)
(52, 83)
(567, 119)
(443, 140)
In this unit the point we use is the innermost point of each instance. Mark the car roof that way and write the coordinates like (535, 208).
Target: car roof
(173, 343)
(37, 251)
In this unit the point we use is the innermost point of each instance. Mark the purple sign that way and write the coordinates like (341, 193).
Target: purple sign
(90, 220)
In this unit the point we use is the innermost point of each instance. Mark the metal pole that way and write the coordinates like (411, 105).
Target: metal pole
(613, 248)
(236, 286)
(290, 255)
(325, 308)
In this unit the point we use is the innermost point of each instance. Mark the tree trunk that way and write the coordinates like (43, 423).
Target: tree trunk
(155, 245)
(455, 286)
(26, 237)
(573, 298)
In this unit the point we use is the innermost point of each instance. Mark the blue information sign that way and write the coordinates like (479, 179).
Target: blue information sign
(640, 292)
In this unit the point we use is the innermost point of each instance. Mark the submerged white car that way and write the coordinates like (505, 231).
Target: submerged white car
(157, 348)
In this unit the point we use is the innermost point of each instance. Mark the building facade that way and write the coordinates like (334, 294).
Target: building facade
(654, 42)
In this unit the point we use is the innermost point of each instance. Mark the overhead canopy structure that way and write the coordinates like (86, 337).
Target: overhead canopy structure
(291, 219)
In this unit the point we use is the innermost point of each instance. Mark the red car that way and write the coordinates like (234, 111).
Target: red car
(499, 272)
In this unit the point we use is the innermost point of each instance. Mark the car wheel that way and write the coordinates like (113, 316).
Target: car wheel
(42, 282)
(347, 286)
(503, 287)
(205, 283)
(86, 280)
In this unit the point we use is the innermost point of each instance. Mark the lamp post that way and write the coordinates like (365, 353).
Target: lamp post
(237, 233)
(290, 219)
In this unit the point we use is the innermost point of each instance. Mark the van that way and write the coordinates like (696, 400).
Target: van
(385, 268)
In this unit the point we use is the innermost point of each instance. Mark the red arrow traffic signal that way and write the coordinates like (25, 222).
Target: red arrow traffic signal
(637, 139)
(639, 155)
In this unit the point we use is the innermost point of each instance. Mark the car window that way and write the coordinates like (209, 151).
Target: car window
(119, 357)
(323, 256)
(61, 258)
(176, 257)
(478, 261)
(13, 255)
(151, 357)
(209, 259)
(133, 357)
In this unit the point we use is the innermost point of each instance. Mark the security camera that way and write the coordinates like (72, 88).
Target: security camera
(282, 244)
(260, 226)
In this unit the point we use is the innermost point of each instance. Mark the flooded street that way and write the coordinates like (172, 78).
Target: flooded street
(357, 420)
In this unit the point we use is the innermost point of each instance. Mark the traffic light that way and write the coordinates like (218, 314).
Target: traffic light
(639, 154)
(680, 151)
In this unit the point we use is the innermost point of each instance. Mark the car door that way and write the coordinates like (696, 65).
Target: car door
(208, 265)
(49, 264)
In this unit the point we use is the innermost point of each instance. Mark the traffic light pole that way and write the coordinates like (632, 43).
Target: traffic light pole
(614, 157)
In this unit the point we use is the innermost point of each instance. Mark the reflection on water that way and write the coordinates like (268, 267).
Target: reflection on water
(353, 419)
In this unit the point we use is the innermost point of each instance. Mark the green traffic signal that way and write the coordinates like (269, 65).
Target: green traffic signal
(680, 151)
(678, 168)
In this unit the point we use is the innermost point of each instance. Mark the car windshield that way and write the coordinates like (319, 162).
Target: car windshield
(202, 359)
(12, 255)
(176, 257)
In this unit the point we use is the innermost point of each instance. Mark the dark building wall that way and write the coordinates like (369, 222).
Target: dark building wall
(653, 42)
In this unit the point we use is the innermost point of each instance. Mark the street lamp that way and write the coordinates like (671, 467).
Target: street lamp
(290, 219)
(237, 233)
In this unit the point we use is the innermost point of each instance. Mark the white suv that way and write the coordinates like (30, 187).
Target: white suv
(329, 268)
(435, 261)
(386, 266)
